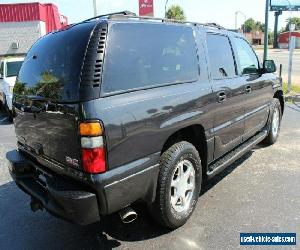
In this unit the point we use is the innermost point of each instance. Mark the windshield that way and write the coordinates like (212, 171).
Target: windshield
(13, 68)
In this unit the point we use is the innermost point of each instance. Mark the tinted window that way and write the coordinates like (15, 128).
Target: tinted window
(52, 68)
(143, 55)
(246, 57)
(13, 68)
(220, 56)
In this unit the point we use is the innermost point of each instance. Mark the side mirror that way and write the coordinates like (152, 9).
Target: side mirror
(269, 66)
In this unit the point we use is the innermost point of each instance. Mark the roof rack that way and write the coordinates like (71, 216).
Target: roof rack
(215, 25)
(121, 13)
(130, 15)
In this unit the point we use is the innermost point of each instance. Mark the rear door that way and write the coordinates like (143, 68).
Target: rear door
(256, 88)
(46, 95)
(228, 93)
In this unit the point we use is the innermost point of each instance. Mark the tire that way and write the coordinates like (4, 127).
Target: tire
(274, 122)
(1, 105)
(181, 159)
(10, 116)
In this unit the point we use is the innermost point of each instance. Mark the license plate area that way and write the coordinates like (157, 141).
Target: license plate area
(41, 177)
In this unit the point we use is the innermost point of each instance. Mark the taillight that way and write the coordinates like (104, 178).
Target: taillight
(92, 147)
(94, 160)
(90, 129)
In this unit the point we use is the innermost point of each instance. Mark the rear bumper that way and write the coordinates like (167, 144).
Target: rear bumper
(59, 196)
(82, 198)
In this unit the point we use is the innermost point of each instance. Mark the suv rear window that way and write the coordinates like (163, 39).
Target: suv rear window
(143, 55)
(52, 68)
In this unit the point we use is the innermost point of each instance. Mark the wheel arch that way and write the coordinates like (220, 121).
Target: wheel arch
(279, 95)
(194, 134)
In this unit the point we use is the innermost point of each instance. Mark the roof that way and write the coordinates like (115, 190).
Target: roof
(288, 32)
(284, 37)
(127, 16)
(25, 12)
(12, 59)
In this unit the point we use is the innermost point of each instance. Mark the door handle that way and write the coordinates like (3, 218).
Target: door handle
(248, 89)
(222, 96)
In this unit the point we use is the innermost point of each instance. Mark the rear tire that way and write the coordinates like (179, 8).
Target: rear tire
(179, 185)
(274, 122)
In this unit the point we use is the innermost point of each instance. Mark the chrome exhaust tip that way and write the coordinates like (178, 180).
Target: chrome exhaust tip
(127, 215)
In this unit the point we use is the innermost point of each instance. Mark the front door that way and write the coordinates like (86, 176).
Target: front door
(256, 88)
(228, 93)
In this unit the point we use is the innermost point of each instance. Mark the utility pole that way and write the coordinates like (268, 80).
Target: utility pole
(266, 40)
(275, 43)
(166, 8)
(236, 17)
(292, 45)
(95, 8)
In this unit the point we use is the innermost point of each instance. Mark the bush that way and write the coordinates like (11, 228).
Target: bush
(295, 89)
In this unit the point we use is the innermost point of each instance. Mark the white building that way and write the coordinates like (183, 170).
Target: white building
(22, 24)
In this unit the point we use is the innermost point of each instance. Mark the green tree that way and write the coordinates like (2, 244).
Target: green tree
(260, 26)
(251, 25)
(271, 37)
(282, 30)
(294, 20)
(176, 12)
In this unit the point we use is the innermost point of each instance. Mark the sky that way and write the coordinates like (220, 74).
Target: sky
(217, 11)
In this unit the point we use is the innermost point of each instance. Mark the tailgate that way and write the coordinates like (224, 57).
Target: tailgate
(47, 95)
(51, 134)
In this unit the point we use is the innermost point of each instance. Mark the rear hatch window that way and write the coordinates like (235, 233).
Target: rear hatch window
(52, 68)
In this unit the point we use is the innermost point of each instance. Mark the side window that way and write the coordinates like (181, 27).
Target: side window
(145, 55)
(248, 61)
(220, 56)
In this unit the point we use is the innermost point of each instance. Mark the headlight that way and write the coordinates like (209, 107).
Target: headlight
(11, 89)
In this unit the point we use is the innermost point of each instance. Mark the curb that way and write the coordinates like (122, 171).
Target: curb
(292, 98)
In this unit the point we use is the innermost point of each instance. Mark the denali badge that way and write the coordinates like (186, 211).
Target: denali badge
(71, 161)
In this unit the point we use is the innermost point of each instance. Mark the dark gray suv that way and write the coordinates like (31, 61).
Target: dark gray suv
(121, 109)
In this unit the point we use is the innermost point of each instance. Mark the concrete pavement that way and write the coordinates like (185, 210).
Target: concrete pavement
(258, 193)
(282, 57)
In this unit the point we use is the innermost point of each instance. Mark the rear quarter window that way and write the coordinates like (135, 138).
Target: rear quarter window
(140, 56)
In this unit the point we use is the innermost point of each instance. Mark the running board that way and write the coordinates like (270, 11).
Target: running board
(218, 166)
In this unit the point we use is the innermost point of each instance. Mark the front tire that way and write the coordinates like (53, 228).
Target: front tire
(179, 185)
(274, 122)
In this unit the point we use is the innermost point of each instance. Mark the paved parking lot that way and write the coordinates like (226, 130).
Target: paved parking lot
(259, 193)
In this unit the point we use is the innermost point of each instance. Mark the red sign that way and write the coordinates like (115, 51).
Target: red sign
(146, 8)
